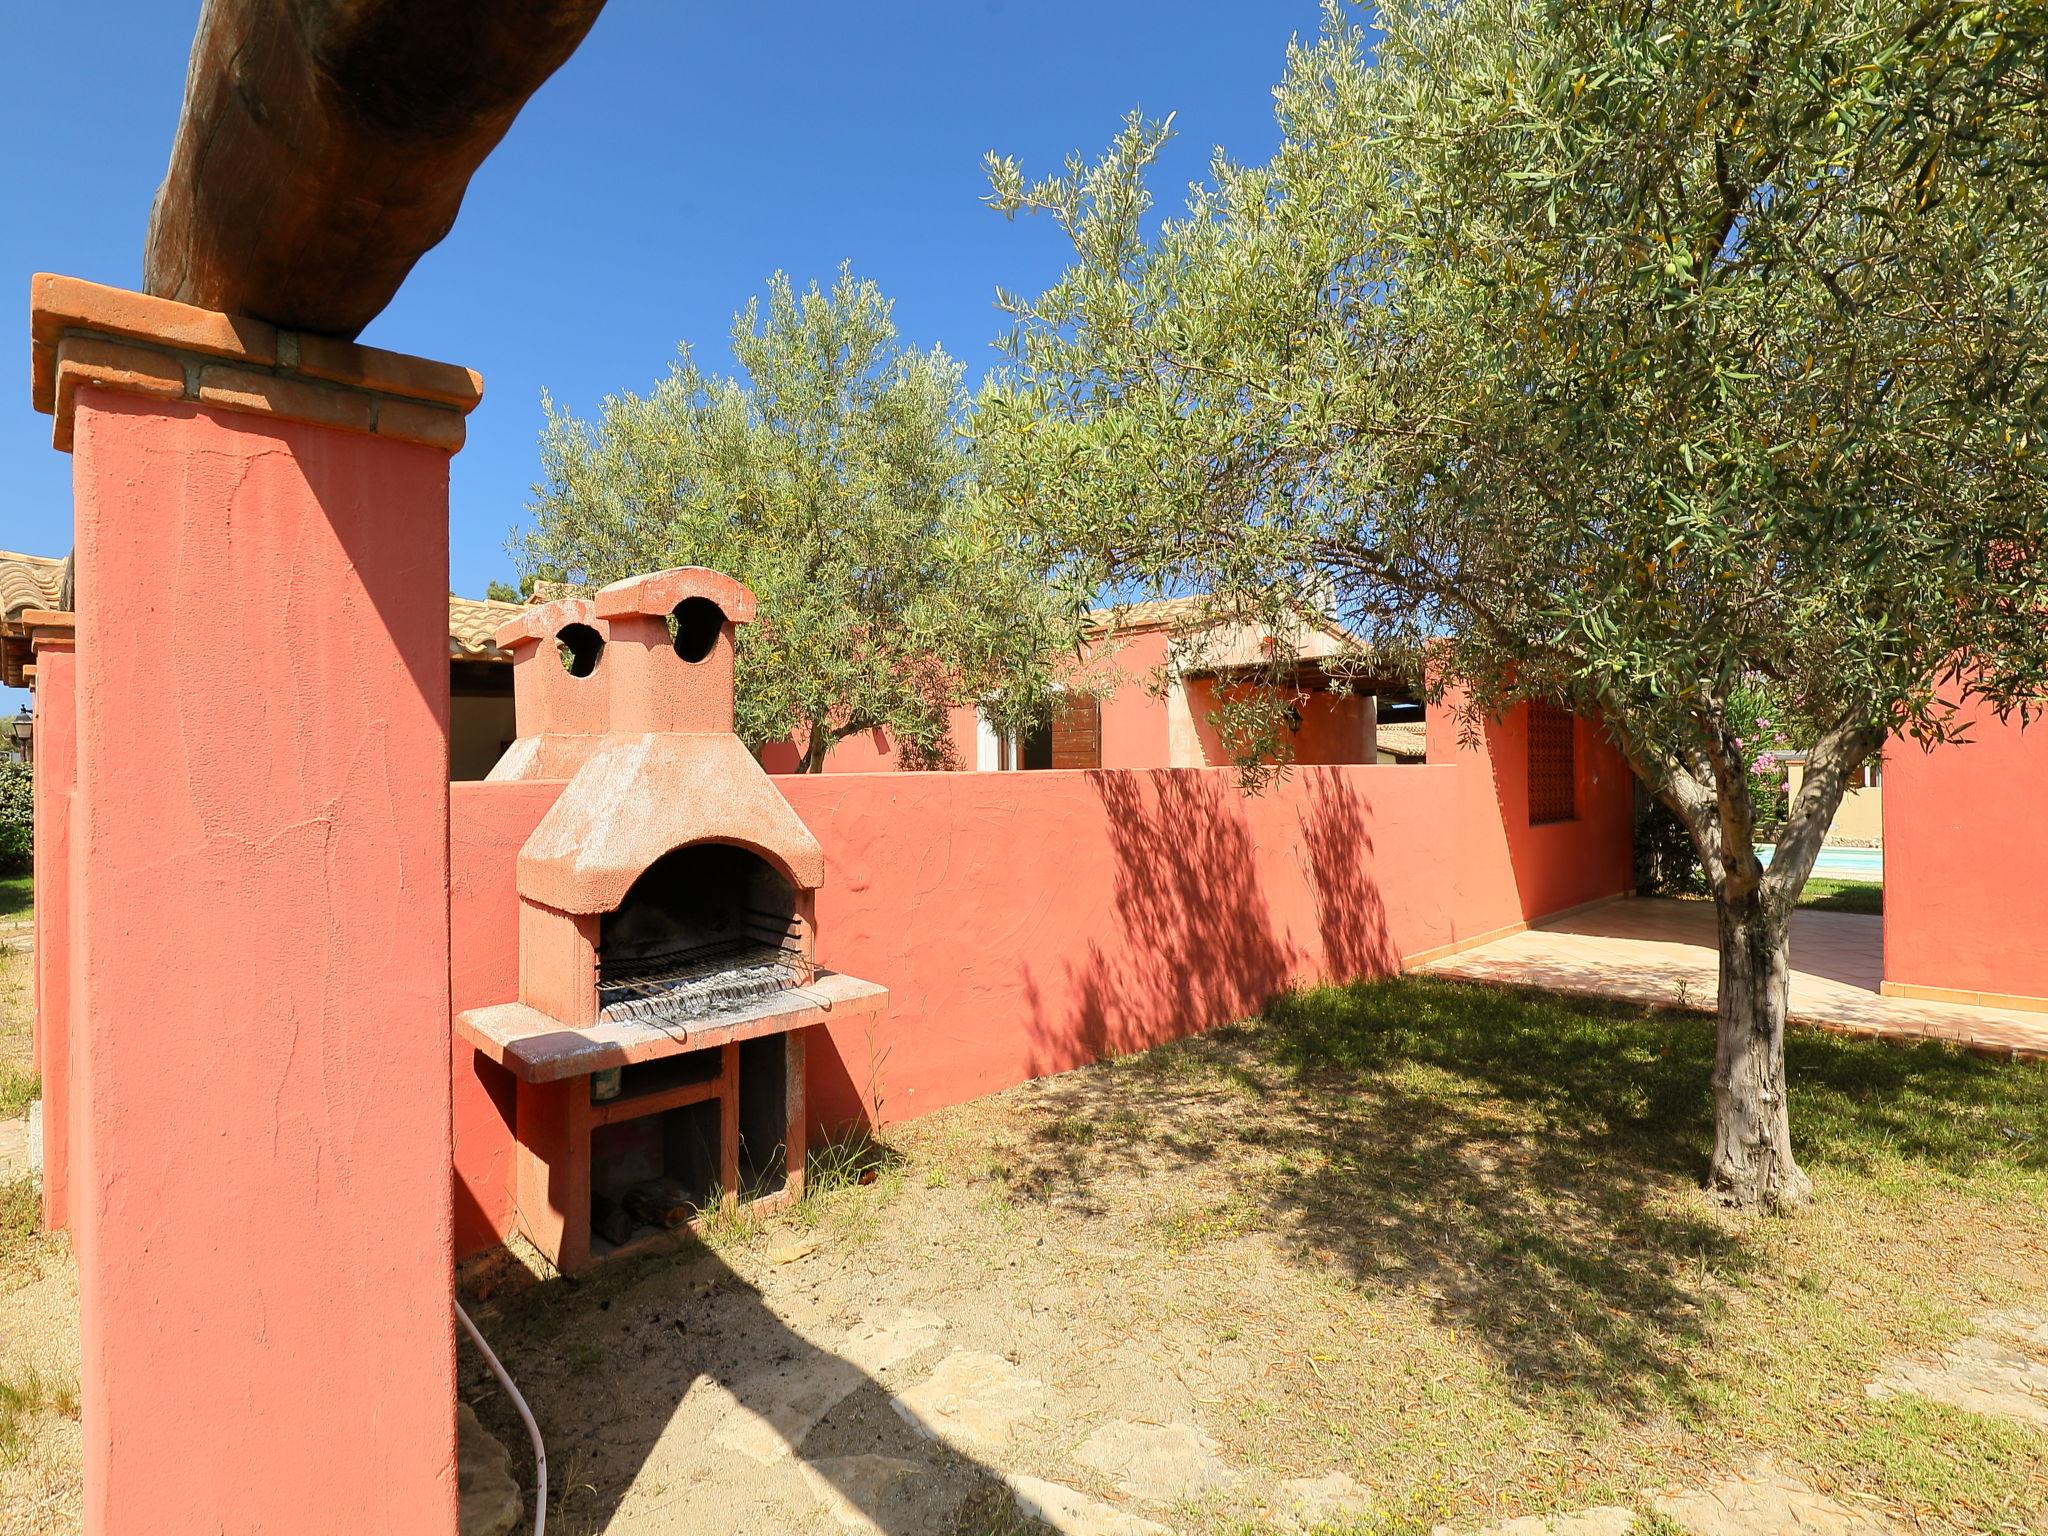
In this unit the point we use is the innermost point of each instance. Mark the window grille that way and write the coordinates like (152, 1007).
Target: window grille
(1550, 764)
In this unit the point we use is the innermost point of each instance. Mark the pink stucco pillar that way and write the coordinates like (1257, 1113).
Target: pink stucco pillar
(56, 773)
(260, 1139)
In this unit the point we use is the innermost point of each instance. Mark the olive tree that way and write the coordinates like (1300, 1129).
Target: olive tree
(832, 478)
(1630, 356)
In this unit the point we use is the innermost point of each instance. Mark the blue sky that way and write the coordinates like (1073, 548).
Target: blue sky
(687, 150)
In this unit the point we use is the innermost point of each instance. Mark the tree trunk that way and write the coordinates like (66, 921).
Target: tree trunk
(1707, 788)
(816, 745)
(1753, 1167)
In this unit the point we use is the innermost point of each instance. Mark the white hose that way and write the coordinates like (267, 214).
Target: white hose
(540, 1452)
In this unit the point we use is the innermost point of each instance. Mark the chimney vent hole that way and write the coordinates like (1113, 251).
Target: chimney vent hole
(698, 622)
(580, 646)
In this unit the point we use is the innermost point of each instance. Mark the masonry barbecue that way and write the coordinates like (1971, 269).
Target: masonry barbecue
(666, 926)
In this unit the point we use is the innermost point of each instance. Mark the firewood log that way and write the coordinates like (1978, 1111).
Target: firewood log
(659, 1202)
(608, 1219)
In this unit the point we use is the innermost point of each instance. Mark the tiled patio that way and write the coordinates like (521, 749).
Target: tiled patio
(1663, 952)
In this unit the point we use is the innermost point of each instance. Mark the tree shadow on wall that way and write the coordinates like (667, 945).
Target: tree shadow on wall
(1351, 914)
(671, 1396)
(1197, 942)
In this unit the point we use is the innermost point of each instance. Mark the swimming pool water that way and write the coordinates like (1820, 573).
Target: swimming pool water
(1840, 863)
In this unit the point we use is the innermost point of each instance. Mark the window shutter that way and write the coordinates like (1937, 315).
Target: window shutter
(1077, 731)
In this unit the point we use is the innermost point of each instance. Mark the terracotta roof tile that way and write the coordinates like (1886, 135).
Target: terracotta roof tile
(1403, 738)
(1160, 613)
(30, 581)
(472, 622)
(37, 581)
(1207, 641)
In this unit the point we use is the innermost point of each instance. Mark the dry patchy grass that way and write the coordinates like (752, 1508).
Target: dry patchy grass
(1445, 1238)
(39, 1479)
(1506, 1293)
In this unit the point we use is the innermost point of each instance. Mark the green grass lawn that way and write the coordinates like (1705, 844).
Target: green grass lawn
(1864, 896)
(17, 897)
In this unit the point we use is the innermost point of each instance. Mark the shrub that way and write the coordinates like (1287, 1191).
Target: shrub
(17, 817)
(1667, 864)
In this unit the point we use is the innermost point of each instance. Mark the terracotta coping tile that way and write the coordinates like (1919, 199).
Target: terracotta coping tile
(543, 621)
(658, 592)
(89, 333)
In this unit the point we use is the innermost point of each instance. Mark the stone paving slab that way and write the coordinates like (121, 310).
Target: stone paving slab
(871, 1495)
(1663, 953)
(973, 1401)
(1072, 1513)
(1765, 1502)
(877, 1347)
(1155, 1463)
(767, 1415)
(2000, 1371)
(487, 1495)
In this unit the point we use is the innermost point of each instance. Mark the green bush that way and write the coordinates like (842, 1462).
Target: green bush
(1667, 864)
(17, 817)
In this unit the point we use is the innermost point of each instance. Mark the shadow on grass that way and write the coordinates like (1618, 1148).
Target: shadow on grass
(17, 897)
(1524, 1163)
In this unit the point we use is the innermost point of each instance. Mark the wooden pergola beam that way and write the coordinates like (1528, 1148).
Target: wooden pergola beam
(325, 146)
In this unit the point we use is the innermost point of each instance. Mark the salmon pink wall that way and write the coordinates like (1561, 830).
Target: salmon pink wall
(1134, 730)
(869, 751)
(261, 1121)
(1332, 729)
(1965, 841)
(1547, 867)
(488, 822)
(1028, 923)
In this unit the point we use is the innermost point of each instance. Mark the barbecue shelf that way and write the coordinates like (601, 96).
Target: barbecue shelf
(748, 1078)
(538, 1048)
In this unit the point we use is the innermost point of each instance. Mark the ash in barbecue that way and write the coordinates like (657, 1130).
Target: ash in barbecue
(691, 993)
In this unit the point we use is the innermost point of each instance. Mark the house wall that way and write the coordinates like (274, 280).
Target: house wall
(1965, 841)
(1134, 716)
(1335, 728)
(480, 727)
(1144, 724)
(1134, 719)
(1859, 818)
(1030, 923)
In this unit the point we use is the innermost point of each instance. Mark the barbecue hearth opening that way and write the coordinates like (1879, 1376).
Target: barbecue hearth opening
(706, 929)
